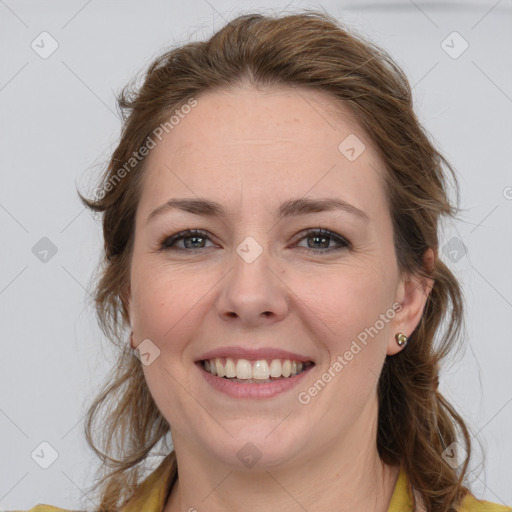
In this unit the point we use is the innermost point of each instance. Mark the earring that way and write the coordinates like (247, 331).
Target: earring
(401, 339)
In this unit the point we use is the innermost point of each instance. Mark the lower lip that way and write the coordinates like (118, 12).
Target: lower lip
(253, 390)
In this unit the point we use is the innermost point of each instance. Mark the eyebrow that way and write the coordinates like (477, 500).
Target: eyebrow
(293, 207)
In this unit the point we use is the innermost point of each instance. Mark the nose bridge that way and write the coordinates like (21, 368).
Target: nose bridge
(252, 289)
(252, 275)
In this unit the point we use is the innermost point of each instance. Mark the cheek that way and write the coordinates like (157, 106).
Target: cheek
(348, 305)
(163, 302)
(343, 313)
(165, 306)
(346, 299)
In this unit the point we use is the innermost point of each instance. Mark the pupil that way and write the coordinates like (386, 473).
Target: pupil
(322, 238)
(193, 239)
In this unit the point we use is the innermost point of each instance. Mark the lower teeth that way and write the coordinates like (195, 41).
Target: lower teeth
(255, 381)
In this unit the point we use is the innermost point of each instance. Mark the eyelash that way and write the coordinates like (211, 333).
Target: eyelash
(167, 242)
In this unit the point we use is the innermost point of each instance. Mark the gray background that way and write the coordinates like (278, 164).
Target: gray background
(58, 125)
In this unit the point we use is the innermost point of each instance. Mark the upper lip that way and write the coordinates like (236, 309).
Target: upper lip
(253, 354)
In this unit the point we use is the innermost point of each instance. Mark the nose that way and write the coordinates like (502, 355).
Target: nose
(253, 293)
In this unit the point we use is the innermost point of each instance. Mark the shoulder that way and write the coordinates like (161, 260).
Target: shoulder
(472, 504)
(48, 508)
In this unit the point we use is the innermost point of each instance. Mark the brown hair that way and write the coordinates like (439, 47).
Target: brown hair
(310, 49)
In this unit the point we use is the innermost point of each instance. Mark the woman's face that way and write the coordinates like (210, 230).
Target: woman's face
(253, 279)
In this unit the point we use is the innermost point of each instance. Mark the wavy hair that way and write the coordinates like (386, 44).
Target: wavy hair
(307, 50)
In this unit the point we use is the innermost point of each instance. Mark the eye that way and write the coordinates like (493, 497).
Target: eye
(323, 237)
(192, 238)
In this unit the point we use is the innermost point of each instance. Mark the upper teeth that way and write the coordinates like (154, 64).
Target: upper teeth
(260, 369)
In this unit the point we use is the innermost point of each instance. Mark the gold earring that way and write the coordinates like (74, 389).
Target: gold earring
(401, 339)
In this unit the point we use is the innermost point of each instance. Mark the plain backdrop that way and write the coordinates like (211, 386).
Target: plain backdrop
(58, 124)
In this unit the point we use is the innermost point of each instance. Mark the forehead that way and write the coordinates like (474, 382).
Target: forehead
(268, 144)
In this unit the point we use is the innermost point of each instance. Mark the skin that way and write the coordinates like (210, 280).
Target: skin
(251, 150)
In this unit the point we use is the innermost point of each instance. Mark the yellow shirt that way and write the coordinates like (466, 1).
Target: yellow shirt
(153, 499)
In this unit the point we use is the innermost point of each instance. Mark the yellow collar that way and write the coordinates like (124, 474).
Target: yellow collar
(152, 493)
(401, 498)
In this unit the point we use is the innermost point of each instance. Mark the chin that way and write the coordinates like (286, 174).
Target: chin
(257, 449)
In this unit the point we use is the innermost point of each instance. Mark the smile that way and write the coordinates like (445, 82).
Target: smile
(258, 379)
(261, 370)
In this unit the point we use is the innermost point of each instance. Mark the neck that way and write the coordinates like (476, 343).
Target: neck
(342, 476)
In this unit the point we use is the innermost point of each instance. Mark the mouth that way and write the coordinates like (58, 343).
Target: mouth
(258, 371)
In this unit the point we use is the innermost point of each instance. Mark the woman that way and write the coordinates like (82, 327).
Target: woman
(270, 219)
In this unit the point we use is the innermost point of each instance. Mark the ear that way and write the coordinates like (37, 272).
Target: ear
(412, 294)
